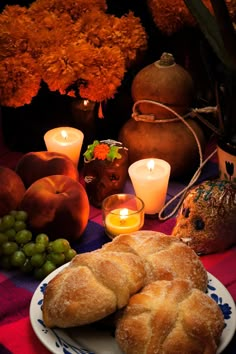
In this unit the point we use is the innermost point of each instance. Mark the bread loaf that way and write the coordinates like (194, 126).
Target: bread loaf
(170, 317)
(93, 286)
(97, 283)
(163, 257)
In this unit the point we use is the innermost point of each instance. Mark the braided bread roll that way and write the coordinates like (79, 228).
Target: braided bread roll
(170, 317)
(162, 256)
(96, 284)
(93, 286)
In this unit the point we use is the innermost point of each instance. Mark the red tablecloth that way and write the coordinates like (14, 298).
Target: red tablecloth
(16, 289)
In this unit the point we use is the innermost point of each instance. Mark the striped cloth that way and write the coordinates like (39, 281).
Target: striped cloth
(16, 289)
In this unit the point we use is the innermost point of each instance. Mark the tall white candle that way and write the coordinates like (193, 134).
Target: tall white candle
(66, 140)
(150, 178)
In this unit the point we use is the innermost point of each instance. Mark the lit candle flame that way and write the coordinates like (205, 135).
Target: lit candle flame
(150, 165)
(123, 215)
(64, 134)
(86, 102)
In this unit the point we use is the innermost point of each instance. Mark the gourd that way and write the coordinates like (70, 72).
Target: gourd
(166, 82)
(155, 130)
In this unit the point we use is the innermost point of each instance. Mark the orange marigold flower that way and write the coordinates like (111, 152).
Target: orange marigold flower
(172, 15)
(101, 151)
(74, 47)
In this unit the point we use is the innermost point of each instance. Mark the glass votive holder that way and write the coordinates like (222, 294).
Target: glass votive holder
(122, 213)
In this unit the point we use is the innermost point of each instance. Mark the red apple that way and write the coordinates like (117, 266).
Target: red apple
(57, 205)
(35, 165)
(12, 190)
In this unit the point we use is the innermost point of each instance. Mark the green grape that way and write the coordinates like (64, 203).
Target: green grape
(49, 247)
(9, 247)
(7, 221)
(27, 266)
(57, 258)
(39, 256)
(39, 248)
(60, 245)
(11, 233)
(71, 253)
(20, 225)
(42, 238)
(29, 249)
(38, 259)
(3, 238)
(18, 258)
(13, 212)
(21, 215)
(23, 236)
(48, 267)
(5, 263)
(39, 273)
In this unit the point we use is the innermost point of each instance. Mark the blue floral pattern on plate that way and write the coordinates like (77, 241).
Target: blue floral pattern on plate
(61, 341)
(225, 308)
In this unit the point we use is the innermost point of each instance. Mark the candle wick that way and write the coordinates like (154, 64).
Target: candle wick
(64, 134)
(122, 221)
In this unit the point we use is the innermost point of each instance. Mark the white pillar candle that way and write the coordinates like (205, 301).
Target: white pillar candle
(65, 140)
(150, 178)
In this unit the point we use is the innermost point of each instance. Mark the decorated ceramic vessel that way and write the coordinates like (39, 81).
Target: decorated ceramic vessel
(105, 169)
(207, 217)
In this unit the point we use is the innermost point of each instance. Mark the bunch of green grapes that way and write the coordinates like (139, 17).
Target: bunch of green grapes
(20, 249)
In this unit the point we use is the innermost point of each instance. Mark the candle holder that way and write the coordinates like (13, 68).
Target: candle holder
(122, 213)
(84, 118)
(150, 178)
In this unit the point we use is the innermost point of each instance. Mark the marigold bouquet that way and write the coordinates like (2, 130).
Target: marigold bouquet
(75, 47)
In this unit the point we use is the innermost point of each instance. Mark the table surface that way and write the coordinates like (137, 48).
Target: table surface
(16, 289)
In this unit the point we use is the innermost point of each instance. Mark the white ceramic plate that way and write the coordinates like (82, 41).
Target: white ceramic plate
(87, 340)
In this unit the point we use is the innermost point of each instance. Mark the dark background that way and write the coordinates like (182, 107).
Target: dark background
(25, 126)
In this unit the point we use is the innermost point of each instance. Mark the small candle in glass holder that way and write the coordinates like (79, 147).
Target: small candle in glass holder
(150, 178)
(122, 213)
(65, 140)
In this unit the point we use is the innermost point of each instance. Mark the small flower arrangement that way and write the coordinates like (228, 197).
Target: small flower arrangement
(102, 150)
(75, 47)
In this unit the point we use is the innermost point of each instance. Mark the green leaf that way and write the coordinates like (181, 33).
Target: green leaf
(114, 153)
(88, 154)
(209, 27)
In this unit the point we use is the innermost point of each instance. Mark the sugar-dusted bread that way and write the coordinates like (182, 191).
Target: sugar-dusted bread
(93, 286)
(164, 257)
(170, 317)
(96, 284)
